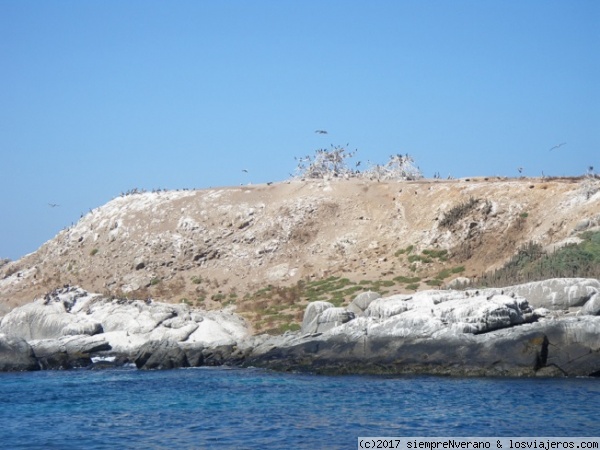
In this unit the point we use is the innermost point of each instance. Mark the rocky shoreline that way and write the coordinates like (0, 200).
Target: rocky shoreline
(546, 328)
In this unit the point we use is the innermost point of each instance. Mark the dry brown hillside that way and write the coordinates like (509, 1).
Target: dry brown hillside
(263, 247)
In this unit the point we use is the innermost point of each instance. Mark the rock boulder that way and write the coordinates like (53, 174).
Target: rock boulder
(362, 301)
(592, 306)
(557, 293)
(16, 355)
(161, 355)
(68, 352)
(49, 318)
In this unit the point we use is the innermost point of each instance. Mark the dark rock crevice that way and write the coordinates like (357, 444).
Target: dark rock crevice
(542, 356)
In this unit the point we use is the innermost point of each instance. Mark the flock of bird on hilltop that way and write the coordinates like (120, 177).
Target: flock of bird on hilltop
(519, 169)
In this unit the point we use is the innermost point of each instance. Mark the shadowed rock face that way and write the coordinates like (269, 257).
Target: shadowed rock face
(514, 354)
(68, 352)
(568, 347)
(16, 355)
(573, 345)
(161, 355)
(592, 306)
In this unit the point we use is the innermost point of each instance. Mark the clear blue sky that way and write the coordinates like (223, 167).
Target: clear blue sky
(98, 97)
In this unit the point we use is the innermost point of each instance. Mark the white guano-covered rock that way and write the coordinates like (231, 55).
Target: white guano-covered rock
(482, 314)
(219, 328)
(122, 325)
(362, 301)
(333, 317)
(428, 312)
(413, 323)
(49, 319)
(134, 316)
(384, 308)
(309, 322)
(557, 293)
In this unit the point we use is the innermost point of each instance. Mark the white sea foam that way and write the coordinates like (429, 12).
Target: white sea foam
(98, 359)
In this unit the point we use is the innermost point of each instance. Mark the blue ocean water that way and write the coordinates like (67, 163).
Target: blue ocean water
(252, 409)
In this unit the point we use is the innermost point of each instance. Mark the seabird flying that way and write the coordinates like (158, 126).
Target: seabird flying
(558, 146)
(321, 132)
(52, 205)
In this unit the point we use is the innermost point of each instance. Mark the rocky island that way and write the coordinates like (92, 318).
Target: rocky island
(325, 276)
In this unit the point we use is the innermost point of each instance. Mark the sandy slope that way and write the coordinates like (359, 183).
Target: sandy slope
(187, 244)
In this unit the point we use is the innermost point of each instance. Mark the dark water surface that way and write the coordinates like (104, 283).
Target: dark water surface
(246, 408)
